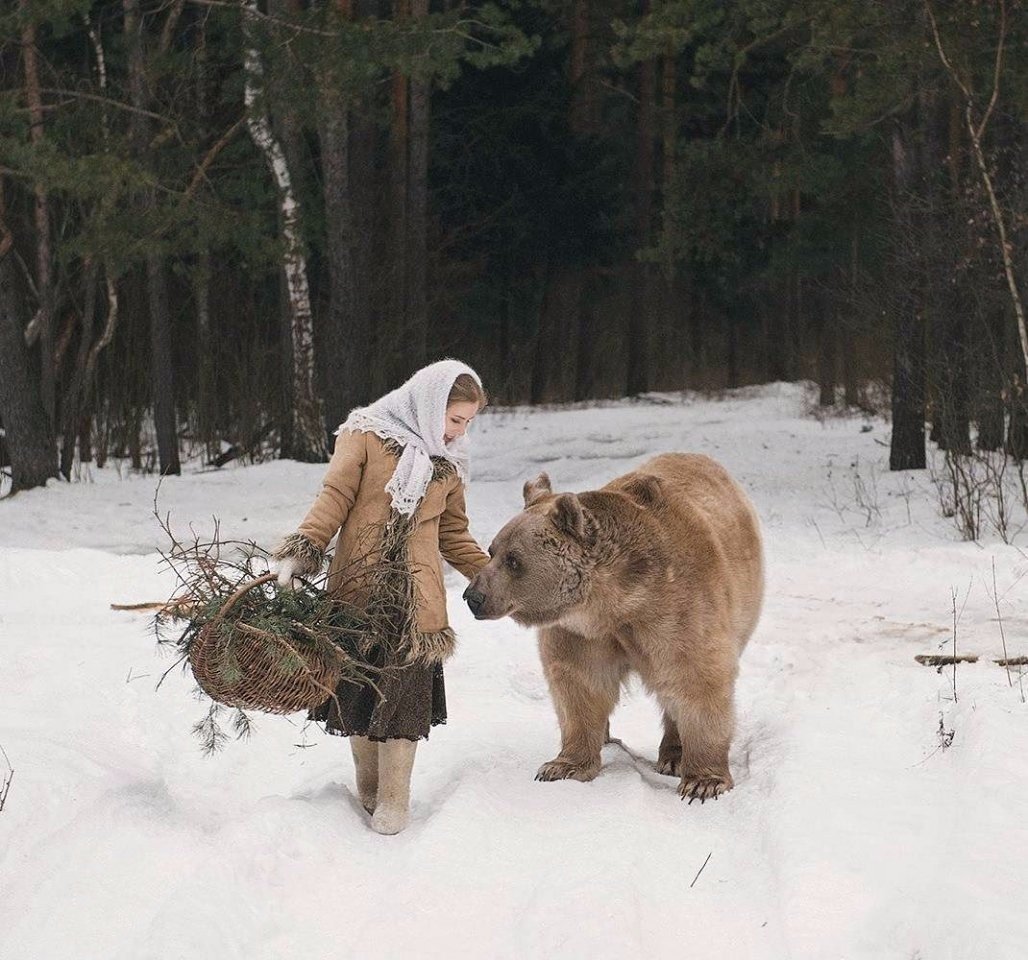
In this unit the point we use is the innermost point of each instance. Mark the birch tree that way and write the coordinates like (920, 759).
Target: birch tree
(308, 440)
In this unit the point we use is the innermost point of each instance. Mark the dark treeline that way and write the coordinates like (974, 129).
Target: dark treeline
(224, 224)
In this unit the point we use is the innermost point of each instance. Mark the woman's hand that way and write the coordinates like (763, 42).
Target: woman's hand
(287, 570)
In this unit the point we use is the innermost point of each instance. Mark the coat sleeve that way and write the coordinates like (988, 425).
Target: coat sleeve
(338, 490)
(458, 547)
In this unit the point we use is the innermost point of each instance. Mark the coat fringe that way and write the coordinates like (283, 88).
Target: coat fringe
(435, 647)
(307, 554)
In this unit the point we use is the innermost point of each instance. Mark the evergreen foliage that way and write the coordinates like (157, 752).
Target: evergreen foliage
(583, 199)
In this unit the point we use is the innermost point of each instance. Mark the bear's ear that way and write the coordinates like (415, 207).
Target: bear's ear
(573, 519)
(535, 490)
(644, 490)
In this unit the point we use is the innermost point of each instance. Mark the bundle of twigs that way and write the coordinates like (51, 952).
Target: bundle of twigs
(253, 646)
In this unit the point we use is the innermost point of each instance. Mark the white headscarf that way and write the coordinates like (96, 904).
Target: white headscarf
(414, 415)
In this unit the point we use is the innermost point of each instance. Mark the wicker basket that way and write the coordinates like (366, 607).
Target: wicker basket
(239, 666)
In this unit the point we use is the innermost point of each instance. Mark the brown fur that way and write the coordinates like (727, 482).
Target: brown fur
(308, 555)
(660, 572)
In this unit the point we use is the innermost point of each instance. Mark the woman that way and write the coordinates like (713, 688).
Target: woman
(394, 492)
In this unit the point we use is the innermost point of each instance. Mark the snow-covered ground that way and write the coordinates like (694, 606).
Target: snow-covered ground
(853, 832)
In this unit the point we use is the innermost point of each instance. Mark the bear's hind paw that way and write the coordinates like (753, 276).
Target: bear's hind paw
(669, 766)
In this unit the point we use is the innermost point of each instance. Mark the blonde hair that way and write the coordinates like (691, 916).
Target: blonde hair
(466, 389)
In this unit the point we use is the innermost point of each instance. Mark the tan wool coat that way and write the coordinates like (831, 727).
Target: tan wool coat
(353, 502)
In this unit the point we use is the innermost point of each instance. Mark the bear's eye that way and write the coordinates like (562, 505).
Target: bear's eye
(512, 562)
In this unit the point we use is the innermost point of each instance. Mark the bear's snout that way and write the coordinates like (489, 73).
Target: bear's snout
(475, 599)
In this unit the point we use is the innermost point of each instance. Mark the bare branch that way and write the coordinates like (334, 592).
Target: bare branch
(210, 156)
(975, 132)
(8, 779)
(942, 52)
(109, 101)
(1007, 662)
(168, 30)
(998, 67)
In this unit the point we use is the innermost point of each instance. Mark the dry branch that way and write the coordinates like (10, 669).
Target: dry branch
(177, 607)
(8, 779)
(698, 872)
(5, 788)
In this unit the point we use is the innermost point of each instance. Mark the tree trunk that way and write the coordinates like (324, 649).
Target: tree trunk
(206, 401)
(347, 135)
(206, 405)
(72, 402)
(161, 378)
(41, 327)
(343, 335)
(990, 354)
(28, 437)
(417, 212)
(637, 372)
(907, 448)
(286, 129)
(578, 67)
(851, 395)
(364, 380)
(393, 348)
(951, 399)
(826, 353)
(85, 431)
(308, 440)
(574, 334)
(944, 242)
(1017, 430)
(161, 371)
(89, 375)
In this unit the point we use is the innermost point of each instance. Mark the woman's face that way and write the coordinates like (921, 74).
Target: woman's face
(458, 417)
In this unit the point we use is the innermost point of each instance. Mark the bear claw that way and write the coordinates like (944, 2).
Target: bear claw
(565, 770)
(704, 788)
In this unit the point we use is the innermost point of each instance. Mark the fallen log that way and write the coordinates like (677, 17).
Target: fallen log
(943, 660)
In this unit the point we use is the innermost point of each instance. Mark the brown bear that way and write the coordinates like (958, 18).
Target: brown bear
(659, 572)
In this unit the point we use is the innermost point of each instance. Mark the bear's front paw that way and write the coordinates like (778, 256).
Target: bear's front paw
(704, 788)
(560, 769)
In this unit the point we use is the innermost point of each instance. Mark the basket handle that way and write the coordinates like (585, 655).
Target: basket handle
(243, 590)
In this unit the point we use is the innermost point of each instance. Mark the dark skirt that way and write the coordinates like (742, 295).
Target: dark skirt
(410, 700)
